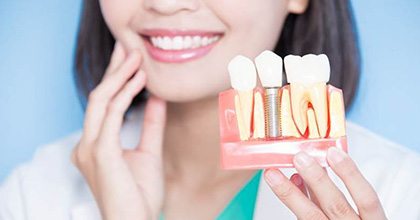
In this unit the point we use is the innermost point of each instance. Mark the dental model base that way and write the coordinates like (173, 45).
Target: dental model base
(266, 126)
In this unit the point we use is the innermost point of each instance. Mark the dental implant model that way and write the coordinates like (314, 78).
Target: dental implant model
(305, 115)
(270, 71)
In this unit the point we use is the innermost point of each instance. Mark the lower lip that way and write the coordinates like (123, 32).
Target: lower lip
(178, 56)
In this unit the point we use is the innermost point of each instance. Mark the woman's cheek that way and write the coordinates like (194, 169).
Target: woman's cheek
(118, 13)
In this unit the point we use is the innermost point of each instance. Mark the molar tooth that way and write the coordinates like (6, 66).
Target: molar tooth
(308, 76)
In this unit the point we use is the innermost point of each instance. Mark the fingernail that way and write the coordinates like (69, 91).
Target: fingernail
(335, 155)
(302, 159)
(296, 179)
(274, 177)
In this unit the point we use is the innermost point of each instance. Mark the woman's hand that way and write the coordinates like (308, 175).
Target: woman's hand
(127, 184)
(326, 201)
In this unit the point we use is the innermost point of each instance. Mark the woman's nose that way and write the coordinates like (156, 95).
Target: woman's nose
(168, 7)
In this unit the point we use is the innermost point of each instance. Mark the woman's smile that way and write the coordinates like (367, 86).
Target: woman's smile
(172, 45)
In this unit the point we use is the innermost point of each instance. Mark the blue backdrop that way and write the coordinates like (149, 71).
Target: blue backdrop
(39, 103)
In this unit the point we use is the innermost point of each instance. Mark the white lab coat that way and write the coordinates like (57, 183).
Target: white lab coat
(49, 187)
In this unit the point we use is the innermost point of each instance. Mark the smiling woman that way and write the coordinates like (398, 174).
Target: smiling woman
(168, 167)
(226, 25)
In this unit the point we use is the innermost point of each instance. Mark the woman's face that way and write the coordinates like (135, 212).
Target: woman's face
(187, 44)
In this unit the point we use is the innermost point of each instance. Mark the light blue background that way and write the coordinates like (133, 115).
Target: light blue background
(39, 104)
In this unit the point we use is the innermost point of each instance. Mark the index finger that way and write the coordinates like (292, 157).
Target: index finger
(117, 57)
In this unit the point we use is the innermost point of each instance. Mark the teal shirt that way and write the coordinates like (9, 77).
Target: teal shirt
(242, 205)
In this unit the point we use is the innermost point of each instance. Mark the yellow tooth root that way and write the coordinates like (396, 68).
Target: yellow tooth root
(287, 124)
(259, 120)
(299, 105)
(337, 115)
(243, 105)
(319, 102)
(239, 117)
(313, 127)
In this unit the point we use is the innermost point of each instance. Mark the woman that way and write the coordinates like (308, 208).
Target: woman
(168, 167)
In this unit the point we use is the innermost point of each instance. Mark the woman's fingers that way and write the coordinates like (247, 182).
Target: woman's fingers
(330, 198)
(298, 181)
(292, 196)
(312, 195)
(117, 58)
(153, 126)
(118, 106)
(100, 97)
(363, 194)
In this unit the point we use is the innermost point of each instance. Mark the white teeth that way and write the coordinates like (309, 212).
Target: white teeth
(270, 69)
(182, 42)
(167, 44)
(204, 41)
(242, 73)
(307, 69)
(187, 42)
(177, 43)
(196, 42)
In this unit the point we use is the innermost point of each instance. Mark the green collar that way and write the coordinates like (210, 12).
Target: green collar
(242, 205)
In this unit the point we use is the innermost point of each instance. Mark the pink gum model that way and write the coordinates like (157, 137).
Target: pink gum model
(261, 153)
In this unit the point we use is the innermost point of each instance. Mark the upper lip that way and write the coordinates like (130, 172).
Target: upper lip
(177, 32)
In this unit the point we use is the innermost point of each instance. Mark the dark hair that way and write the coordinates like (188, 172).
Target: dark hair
(327, 26)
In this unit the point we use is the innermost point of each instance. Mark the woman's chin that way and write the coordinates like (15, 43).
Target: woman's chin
(181, 94)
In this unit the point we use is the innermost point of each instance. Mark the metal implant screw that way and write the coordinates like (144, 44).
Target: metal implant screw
(272, 112)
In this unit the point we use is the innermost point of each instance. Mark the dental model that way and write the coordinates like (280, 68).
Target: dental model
(337, 118)
(308, 77)
(243, 77)
(270, 69)
(259, 118)
(305, 115)
(288, 126)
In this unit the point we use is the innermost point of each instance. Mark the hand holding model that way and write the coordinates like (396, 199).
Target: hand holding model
(127, 184)
(311, 194)
(305, 117)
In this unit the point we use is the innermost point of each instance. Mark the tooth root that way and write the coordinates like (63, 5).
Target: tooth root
(243, 135)
(245, 105)
(259, 121)
(318, 97)
(337, 115)
(299, 102)
(288, 127)
(313, 128)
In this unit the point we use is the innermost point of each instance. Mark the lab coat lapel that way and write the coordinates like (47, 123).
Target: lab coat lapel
(85, 211)
(268, 206)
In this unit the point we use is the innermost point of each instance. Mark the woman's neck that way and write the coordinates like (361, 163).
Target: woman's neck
(191, 145)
